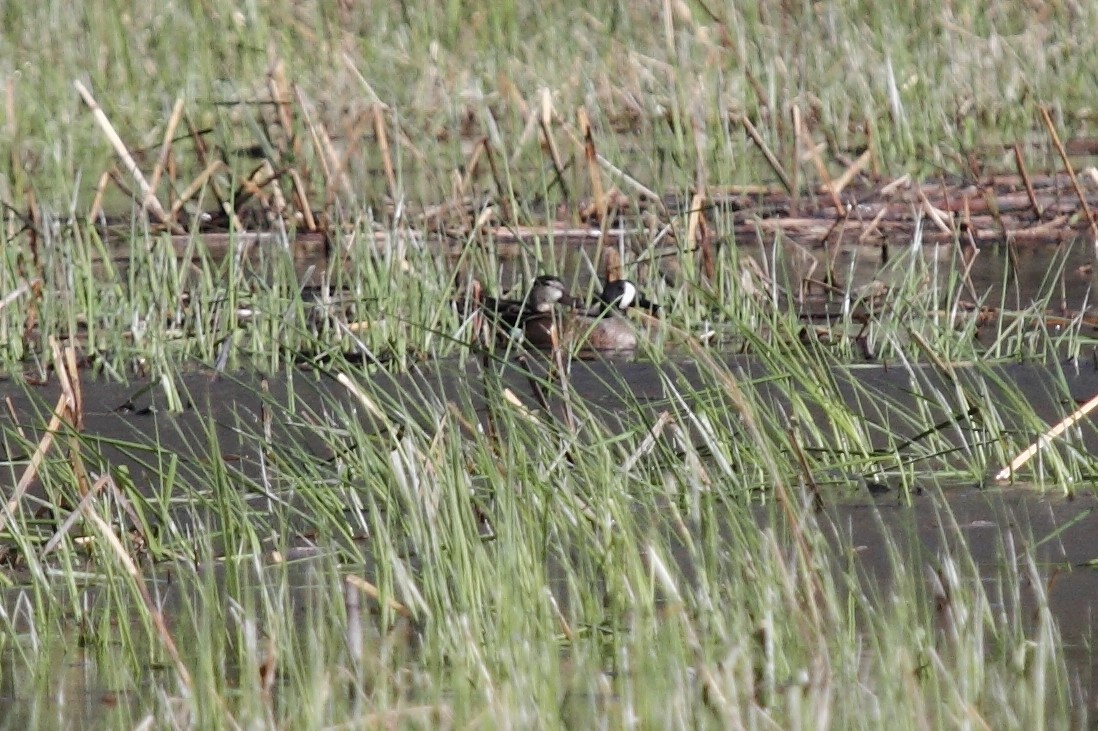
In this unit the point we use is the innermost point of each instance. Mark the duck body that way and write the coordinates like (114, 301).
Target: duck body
(534, 316)
(605, 326)
(549, 317)
(606, 333)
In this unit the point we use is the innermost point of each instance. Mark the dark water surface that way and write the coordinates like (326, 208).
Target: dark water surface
(996, 524)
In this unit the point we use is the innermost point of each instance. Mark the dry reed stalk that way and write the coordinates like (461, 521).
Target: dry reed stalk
(944, 367)
(472, 164)
(483, 219)
(1045, 440)
(469, 430)
(31, 470)
(509, 92)
(279, 89)
(196, 185)
(591, 157)
(303, 201)
(795, 203)
(1021, 164)
(904, 181)
(805, 138)
(631, 181)
(771, 160)
(97, 202)
(69, 380)
(131, 568)
(23, 288)
(478, 321)
(528, 131)
(969, 253)
(30, 312)
(374, 593)
(354, 132)
(68, 411)
(853, 170)
(203, 155)
(69, 377)
(545, 120)
(649, 442)
(338, 163)
(318, 146)
(230, 213)
(696, 232)
(116, 176)
(14, 418)
(383, 147)
(148, 195)
(367, 402)
(565, 627)
(254, 188)
(276, 187)
(374, 98)
(502, 195)
(67, 525)
(514, 401)
(166, 144)
(697, 129)
(617, 172)
(1070, 171)
(610, 263)
(939, 217)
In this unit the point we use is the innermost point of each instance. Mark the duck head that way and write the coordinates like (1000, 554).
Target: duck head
(621, 294)
(546, 291)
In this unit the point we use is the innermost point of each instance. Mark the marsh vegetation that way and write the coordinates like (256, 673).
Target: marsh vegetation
(264, 469)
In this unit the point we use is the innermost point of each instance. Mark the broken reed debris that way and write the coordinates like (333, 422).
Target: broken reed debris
(855, 206)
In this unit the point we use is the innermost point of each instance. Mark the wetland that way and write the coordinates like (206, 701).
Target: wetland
(270, 461)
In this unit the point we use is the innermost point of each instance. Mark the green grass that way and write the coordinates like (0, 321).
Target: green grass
(552, 576)
(657, 563)
(966, 76)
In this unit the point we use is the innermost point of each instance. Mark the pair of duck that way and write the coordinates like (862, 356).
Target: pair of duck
(549, 316)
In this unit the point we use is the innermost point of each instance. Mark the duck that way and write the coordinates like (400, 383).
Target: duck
(604, 325)
(621, 294)
(549, 316)
(532, 318)
(544, 294)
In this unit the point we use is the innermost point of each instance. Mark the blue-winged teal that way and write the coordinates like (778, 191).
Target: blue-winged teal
(621, 294)
(604, 325)
(533, 316)
(544, 295)
(549, 317)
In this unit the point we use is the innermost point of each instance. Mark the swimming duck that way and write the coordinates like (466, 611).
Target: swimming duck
(534, 316)
(545, 293)
(549, 317)
(621, 294)
(604, 326)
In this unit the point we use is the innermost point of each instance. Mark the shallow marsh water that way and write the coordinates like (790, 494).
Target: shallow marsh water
(996, 524)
